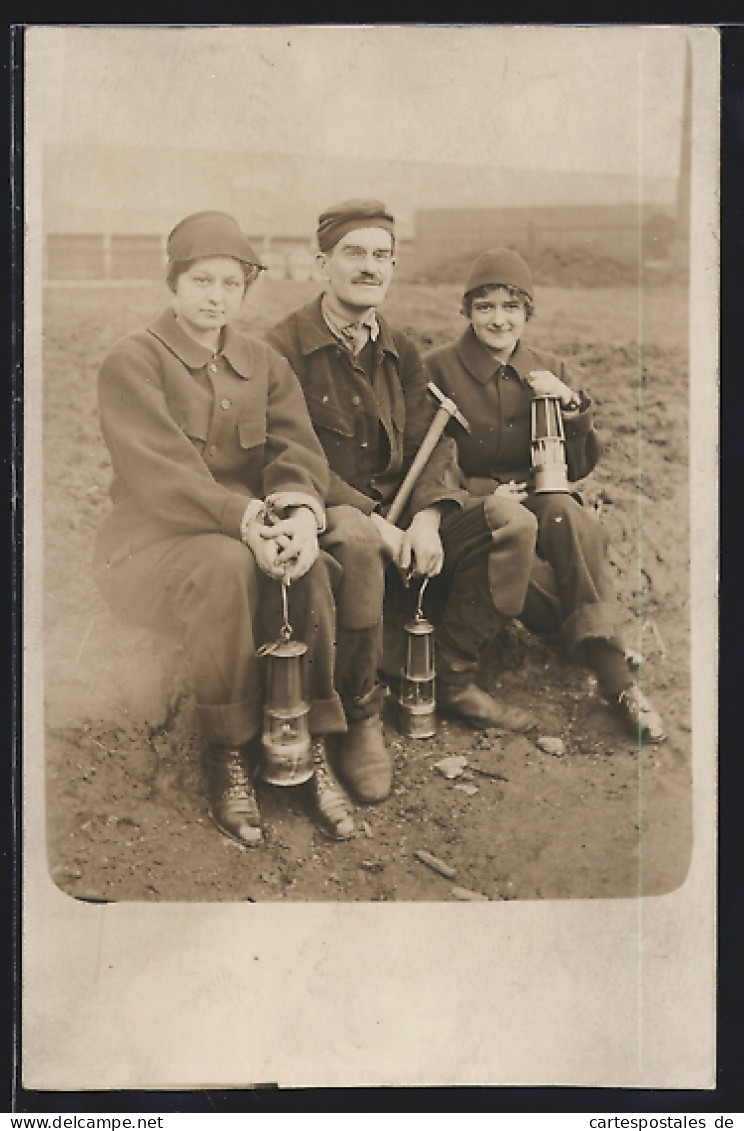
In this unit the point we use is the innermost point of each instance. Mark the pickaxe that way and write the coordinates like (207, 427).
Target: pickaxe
(447, 411)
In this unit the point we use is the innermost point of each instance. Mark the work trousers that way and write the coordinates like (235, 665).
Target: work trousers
(209, 587)
(352, 539)
(571, 590)
(489, 548)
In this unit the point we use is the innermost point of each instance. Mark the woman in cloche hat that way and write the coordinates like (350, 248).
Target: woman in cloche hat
(218, 493)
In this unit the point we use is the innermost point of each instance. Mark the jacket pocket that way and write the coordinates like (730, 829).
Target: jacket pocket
(326, 414)
(252, 433)
(196, 429)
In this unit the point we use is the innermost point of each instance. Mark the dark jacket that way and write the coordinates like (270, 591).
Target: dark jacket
(388, 413)
(194, 436)
(495, 400)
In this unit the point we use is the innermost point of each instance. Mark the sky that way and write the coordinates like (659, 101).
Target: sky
(592, 99)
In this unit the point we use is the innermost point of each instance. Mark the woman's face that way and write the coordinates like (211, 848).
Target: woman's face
(498, 320)
(209, 295)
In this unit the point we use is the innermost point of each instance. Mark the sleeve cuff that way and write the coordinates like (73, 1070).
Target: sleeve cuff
(251, 512)
(580, 420)
(285, 500)
(481, 486)
(234, 511)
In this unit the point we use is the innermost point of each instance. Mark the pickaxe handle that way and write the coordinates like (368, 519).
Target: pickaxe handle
(436, 428)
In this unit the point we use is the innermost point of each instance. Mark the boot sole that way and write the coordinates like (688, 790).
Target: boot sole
(234, 837)
(334, 836)
(484, 724)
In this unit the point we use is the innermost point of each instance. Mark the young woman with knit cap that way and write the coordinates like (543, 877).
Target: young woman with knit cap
(492, 376)
(207, 428)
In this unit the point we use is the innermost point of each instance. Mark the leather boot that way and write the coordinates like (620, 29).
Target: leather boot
(364, 764)
(481, 710)
(331, 803)
(234, 808)
(639, 715)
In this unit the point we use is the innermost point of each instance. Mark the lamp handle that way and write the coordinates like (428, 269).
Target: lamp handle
(419, 614)
(286, 630)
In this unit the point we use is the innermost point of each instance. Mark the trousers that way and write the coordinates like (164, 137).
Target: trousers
(351, 538)
(570, 590)
(489, 548)
(209, 589)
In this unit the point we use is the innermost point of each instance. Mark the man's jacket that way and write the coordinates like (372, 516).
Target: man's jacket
(370, 427)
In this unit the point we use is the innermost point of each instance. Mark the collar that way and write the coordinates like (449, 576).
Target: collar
(339, 324)
(315, 333)
(235, 348)
(483, 365)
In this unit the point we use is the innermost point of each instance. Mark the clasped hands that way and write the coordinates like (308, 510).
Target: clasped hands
(417, 550)
(286, 548)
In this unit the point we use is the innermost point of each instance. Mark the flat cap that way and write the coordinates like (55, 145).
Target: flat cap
(501, 267)
(205, 234)
(335, 222)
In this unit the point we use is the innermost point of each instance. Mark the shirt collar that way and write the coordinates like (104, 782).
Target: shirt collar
(315, 333)
(340, 325)
(483, 365)
(235, 348)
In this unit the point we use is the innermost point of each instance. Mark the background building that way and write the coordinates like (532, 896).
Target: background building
(107, 209)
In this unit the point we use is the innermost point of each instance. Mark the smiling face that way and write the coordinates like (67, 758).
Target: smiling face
(209, 295)
(498, 319)
(359, 268)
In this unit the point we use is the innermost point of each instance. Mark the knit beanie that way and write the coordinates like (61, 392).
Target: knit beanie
(501, 267)
(334, 223)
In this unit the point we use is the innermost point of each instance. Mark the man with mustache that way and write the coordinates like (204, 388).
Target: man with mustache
(365, 387)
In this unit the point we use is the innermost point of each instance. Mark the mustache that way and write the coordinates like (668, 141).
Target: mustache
(367, 277)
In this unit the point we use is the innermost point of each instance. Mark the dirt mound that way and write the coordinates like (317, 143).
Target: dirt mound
(559, 266)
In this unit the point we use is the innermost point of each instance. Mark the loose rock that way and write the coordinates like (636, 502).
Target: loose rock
(467, 894)
(552, 745)
(434, 862)
(467, 788)
(452, 766)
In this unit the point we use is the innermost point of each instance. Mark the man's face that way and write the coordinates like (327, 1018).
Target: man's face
(498, 320)
(360, 267)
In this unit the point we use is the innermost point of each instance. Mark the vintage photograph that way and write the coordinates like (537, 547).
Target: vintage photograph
(365, 507)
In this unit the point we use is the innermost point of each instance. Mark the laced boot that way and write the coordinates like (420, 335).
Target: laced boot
(331, 803)
(640, 717)
(234, 808)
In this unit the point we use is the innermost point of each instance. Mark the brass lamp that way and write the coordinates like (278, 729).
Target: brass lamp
(417, 700)
(548, 445)
(287, 755)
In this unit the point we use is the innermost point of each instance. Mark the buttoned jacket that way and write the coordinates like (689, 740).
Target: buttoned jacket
(345, 405)
(195, 435)
(495, 400)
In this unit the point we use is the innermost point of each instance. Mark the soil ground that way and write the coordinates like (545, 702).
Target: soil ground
(127, 814)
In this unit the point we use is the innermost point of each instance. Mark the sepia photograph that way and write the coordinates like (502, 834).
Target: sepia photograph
(370, 596)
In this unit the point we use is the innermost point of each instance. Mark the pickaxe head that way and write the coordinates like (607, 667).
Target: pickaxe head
(448, 405)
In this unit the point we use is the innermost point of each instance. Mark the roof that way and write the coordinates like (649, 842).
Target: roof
(126, 189)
